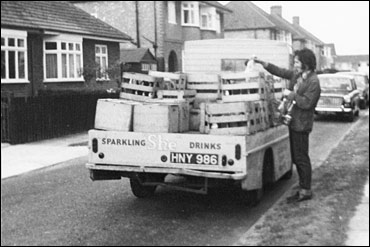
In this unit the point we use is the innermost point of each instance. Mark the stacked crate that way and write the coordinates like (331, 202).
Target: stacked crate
(157, 102)
(208, 89)
(247, 105)
(139, 87)
(174, 87)
(274, 87)
(239, 87)
(207, 86)
(233, 118)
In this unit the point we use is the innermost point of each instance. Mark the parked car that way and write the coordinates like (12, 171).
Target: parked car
(339, 95)
(362, 83)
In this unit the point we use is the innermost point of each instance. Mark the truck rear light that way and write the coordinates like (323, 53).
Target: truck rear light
(224, 160)
(95, 145)
(101, 156)
(237, 152)
(163, 158)
(230, 162)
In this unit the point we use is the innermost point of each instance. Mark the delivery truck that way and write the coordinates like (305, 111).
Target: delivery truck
(208, 130)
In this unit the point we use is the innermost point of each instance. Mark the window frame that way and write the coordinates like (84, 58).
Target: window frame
(210, 14)
(193, 7)
(101, 56)
(16, 35)
(218, 22)
(171, 12)
(67, 39)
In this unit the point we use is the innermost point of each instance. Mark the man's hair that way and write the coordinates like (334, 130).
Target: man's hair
(307, 58)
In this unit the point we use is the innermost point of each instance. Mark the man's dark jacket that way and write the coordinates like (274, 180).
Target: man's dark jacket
(306, 96)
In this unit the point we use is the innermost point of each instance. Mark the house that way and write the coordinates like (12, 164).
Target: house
(249, 21)
(161, 26)
(139, 60)
(47, 45)
(329, 55)
(308, 40)
(352, 62)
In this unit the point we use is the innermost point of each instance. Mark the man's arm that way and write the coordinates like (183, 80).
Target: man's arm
(275, 70)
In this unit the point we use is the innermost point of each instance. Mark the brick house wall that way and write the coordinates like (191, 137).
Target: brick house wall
(170, 37)
(249, 34)
(36, 68)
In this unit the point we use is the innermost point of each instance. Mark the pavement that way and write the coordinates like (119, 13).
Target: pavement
(22, 158)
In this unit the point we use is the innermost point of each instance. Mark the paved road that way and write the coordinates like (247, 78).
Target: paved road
(61, 206)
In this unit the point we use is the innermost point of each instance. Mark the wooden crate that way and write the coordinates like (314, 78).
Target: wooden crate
(139, 87)
(275, 86)
(260, 115)
(234, 118)
(207, 86)
(184, 116)
(114, 114)
(176, 95)
(172, 80)
(230, 118)
(161, 118)
(194, 119)
(237, 87)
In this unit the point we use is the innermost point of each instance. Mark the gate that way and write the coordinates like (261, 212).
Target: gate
(5, 116)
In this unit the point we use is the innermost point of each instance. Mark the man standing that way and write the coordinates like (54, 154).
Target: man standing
(304, 89)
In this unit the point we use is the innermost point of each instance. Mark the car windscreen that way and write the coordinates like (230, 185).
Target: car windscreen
(335, 84)
(360, 82)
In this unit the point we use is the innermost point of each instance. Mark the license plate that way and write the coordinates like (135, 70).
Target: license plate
(192, 158)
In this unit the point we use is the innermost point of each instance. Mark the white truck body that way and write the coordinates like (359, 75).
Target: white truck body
(192, 154)
(249, 160)
(205, 56)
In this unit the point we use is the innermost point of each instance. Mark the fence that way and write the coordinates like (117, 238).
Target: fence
(47, 116)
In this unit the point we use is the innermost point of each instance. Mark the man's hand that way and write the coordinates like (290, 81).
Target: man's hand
(288, 94)
(264, 64)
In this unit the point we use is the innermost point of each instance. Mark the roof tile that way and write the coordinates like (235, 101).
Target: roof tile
(56, 16)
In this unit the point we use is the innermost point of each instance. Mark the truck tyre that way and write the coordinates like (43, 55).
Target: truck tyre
(139, 190)
(288, 175)
(251, 198)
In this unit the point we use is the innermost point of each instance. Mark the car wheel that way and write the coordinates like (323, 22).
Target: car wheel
(363, 104)
(351, 116)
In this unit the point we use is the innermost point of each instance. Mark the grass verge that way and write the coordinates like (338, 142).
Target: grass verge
(338, 188)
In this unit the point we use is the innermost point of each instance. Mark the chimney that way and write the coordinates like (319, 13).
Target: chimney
(276, 10)
(296, 20)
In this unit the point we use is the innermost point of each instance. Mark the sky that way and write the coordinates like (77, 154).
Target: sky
(344, 23)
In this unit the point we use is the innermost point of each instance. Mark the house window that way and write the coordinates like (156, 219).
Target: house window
(208, 18)
(145, 67)
(101, 60)
(218, 23)
(62, 59)
(190, 13)
(171, 12)
(233, 65)
(13, 56)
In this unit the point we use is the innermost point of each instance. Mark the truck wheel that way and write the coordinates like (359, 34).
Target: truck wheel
(251, 197)
(288, 175)
(140, 190)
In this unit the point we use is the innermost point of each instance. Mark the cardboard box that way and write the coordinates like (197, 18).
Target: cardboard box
(155, 118)
(162, 118)
(114, 114)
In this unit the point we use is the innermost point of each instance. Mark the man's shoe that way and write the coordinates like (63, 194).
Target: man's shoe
(293, 198)
(304, 197)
